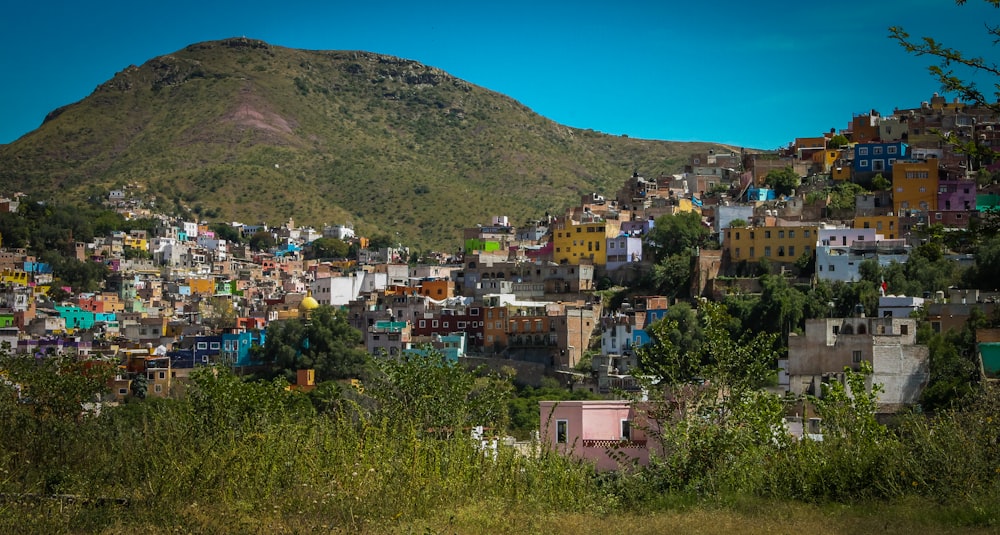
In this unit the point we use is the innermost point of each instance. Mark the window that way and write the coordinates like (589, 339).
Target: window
(562, 431)
(767, 250)
(862, 151)
(122, 391)
(422, 323)
(215, 345)
(202, 345)
(781, 234)
(791, 233)
(863, 163)
(791, 250)
(876, 150)
(805, 233)
(737, 252)
(891, 149)
(158, 388)
(751, 252)
(830, 267)
(626, 430)
(767, 234)
(836, 329)
(856, 356)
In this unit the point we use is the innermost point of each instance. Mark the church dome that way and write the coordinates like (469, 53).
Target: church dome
(309, 303)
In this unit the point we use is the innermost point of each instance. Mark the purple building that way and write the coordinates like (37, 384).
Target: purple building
(623, 250)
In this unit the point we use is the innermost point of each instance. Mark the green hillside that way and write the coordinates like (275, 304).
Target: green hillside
(243, 130)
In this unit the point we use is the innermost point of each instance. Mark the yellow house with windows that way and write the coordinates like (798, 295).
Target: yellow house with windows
(886, 225)
(573, 241)
(136, 243)
(914, 185)
(15, 277)
(784, 244)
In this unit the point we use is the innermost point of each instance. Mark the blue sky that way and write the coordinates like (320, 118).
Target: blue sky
(752, 74)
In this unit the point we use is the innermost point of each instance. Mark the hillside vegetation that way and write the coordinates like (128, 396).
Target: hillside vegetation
(243, 130)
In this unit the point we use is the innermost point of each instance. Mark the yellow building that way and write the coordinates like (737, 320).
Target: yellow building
(136, 243)
(14, 276)
(573, 241)
(885, 225)
(202, 286)
(825, 159)
(784, 244)
(914, 185)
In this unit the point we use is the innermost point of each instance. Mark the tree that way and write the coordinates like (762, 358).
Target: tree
(677, 233)
(880, 183)
(734, 364)
(329, 248)
(218, 313)
(326, 342)
(380, 241)
(227, 232)
(672, 275)
(440, 395)
(838, 141)
(783, 181)
(675, 352)
(262, 240)
(705, 407)
(982, 274)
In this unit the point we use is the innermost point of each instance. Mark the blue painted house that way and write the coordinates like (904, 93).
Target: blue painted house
(874, 158)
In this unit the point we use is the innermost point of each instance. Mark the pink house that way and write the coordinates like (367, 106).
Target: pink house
(607, 433)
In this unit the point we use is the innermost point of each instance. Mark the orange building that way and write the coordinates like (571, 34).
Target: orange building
(201, 286)
(886, 225)
(914, 185)
(437, 289)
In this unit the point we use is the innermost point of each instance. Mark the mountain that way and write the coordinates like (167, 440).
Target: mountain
(239, 129)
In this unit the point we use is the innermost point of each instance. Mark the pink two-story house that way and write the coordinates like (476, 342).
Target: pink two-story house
(608, 433)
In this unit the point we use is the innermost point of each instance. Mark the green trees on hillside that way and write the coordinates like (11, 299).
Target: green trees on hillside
(783, 181)
(673, 242)
(326, 342)
(329, 248)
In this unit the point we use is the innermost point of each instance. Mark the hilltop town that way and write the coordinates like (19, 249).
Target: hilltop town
(181, 294)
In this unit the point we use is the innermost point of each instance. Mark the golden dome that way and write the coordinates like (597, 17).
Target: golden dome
(308, 303)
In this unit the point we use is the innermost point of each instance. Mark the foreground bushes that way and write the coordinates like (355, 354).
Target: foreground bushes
(255, 450)
(235, 456)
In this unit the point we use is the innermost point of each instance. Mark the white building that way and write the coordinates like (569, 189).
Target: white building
(840, 251)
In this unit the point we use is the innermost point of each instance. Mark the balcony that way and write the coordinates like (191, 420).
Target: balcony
(611, 443)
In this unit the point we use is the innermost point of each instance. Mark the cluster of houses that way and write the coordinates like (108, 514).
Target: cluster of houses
(523, 296)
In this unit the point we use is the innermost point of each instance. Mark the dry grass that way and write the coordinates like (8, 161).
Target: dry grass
(746, 519)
